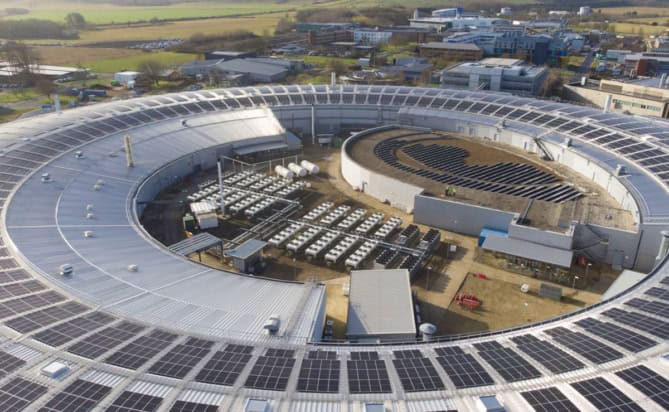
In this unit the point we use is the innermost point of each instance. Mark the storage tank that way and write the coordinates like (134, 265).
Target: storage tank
(311, 168)
(283, 172)
(297, 169)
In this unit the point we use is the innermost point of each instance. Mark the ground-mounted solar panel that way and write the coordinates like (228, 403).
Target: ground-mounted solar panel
(225, 366)
(548, 355)
(620, 336)
(462, 368)
(319, 372)
(23, 304)
(72, 329)
(416, 372)
(9, 363)
(18, 394)
(511, 366)
(182, 358)
(45, 317)
(549, 400)
(79, 396)
(645, 323)
(99, 343)
(648, 382)
(133, 401)
(604, 396)
(271, 372)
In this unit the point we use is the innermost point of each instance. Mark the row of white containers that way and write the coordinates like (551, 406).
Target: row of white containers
(305, 167)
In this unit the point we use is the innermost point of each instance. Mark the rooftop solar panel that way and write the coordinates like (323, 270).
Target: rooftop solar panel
(182, 358)
(225, 366)
(18, 394)
(649, 383)
(605, 397)
(549, 400)
(79, 396)
(132, 401)
(138, 352)
(506, 362)
(551, 357)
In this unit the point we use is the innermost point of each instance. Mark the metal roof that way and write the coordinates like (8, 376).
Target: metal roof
(195, 243)
(246, 249)
(380, 303)
(528, 250)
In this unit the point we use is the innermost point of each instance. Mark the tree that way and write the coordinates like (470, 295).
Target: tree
(45, 86)
(337, 66)
(552, 85)
(151, 70)
(75, 21)
(22, 59)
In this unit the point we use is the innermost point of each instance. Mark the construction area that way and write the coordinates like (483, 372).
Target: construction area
(283, 222)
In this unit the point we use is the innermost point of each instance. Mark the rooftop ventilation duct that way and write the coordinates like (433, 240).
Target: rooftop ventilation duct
(427, 330)
(272, 324)
(78, 154)
(46, 178)
(88, 233)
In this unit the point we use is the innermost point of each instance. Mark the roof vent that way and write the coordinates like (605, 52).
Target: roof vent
(46, 178)
(88, 233)
(100, 182)
(55, 370)
(89, 207)
(427, 330)
(97, 187)
(133, 268)
(65, 269)
(620, 170)
(90, 216)
(78, 154)
(272, 324)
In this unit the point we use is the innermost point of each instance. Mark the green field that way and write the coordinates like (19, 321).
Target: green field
(168, 59)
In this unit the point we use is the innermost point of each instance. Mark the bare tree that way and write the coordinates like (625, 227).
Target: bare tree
(22, 61)
(45, 86)
(151, 69)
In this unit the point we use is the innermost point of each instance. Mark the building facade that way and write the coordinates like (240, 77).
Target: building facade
(506, 75)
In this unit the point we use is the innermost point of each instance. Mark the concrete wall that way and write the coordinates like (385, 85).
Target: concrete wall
(458, 217)
(544, 237)
(620, 103)
(384, 188)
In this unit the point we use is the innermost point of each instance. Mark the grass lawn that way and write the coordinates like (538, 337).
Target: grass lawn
(19, 95)
(168, 59)
(324, 60)
(620, 11)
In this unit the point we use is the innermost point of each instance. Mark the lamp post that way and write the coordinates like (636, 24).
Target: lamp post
(587, 269)
(573, 284)
(429, 271)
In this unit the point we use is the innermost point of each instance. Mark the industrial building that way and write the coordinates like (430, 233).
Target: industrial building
(380, 306)
(380, 35)
(497, 74)
(253, 70)
(98, 314)
(451, 51)
(8, 71)
(640, 96)
(647, 64)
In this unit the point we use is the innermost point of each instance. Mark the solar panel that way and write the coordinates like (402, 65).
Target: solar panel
(462, 368)
(185, 406)
(72, 329)
(225, 366)
(622, 337)
(652, 307)
(13, 275)
(604, 396)
(319, 373)
(658, 293)
(18, 393)
(139, 351)
(367, 373)
(23, 304)
(585, 346)
(182, 358)
(45, 317)
(551, 357)
(416, 372)
(649, 383)
(506, 362)
(133, 401)
(271, 371)
(548, 400)
(95, 345)
(9, 363)
(80, 395)
(645, 323)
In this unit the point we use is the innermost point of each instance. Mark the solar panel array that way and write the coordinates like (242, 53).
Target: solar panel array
(589, 348)
(319, 372)
(18, 393)
(99, 343)
(226, 365)
(182, 358)
(506, 362)
(367, 373)
(549, 400)
(138, 352)
(604, 396)
(551, 357)
(463, 370)
(72, 329)
(133, 401)
(416, 372)
(622, 337)
(80, 395)
(649, 383)
(272, 370)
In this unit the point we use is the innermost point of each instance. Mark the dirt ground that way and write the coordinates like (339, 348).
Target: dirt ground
(596, 207)
(436, 285)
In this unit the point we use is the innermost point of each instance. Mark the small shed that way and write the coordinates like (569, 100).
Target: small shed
(126, 76)
(246, 256)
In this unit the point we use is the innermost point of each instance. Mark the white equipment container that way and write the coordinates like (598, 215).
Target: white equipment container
(311, 168)
(297, 169)
(283, 172)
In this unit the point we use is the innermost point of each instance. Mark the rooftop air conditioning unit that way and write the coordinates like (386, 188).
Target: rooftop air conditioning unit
(65, 269)
(133, 268)
(78, 154)
(272, 324)
(88, 233)
(46, 178)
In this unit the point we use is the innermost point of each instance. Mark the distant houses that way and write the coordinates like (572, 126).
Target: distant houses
(244, 70)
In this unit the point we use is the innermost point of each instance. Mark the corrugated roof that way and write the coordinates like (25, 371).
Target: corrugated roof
(246, 249)
(380, 303)
(196, 243)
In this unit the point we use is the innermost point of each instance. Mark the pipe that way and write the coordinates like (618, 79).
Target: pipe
(128, 151)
